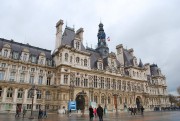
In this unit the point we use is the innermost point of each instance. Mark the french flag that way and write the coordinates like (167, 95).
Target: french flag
(108, 39)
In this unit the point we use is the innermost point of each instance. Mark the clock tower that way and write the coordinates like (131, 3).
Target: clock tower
(102, 47)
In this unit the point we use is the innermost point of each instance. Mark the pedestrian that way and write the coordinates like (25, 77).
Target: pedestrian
(24, 112)
(17, 111)
(45, 113)
(91, 113)
(40, 114)
(142, 110)
(70, 112)
(100, 112)
(95, 112)
(134, 110)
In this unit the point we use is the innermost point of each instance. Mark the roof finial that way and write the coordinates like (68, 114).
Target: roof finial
(66, 23)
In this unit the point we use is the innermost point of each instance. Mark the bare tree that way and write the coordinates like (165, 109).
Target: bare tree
(172, 99)
(178, 90)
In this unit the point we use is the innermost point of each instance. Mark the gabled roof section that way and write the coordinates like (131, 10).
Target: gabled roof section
(68, 37)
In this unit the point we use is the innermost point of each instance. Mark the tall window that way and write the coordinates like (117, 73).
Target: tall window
(12, 76)
(29, 94)
(102, 99)
(109, 99)
(40, 80)
(1, 91)
(1, 75)
(23, 68)
(25, 57)
(102, 82)
(32, 69)
(20, 93)
(31, 80)
(9, 92)
(108, 83)
(77, 82)
(15, 55)
(95, 99)
(33, 59)
(66, 57)
(48, 81)
(22, 77)
(85, 82)
(41, 61)
(29, 106)
(3, 65)
(48, 95)
(77, 59)
(95, 81)
(85, 62)
(77, 45)
(100, 66)
(39, 94)
(119, 84)
(65, 79)
(5, 53)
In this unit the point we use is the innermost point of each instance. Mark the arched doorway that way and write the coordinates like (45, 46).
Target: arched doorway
(138, 102)
(81, 100)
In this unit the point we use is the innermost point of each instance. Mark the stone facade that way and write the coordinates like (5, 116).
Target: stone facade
(114, 80)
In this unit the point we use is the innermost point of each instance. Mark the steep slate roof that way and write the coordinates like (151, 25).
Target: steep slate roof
(154, 70)
(18, 47)
(94, 57)
(128, 58)
(68, 37)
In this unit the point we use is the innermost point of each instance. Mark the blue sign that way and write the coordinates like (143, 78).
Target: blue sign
(72, 105)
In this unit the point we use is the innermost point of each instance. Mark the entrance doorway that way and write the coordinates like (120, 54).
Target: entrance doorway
(115, 101)
(81, 101)
(138, 102)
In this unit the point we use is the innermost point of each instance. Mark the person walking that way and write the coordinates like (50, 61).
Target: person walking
(17, 111)
(24, 112)
(70, 112)
(91, 113)
(100, 112)
(40, 114)
(142, 110)
(45, 114)
(95, 112)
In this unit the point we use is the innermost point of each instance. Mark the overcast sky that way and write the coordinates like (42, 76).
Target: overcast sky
(150, 27)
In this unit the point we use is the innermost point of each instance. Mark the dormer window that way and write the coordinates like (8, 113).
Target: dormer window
(5, 53)
(41, 60)
(24, 57)
(77, 45)
(15, 55)
(33, 59)
(66, 57)
(100, 66)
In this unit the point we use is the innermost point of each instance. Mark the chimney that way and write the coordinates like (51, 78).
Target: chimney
(131, 51)
(79, 34)
(59, 25)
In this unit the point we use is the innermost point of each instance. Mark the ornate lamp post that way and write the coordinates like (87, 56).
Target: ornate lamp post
(32, 91)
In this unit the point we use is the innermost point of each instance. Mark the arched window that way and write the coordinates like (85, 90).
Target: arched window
(77, 59)
(5, 53)
(95, 99)
(48, 95)
(30, 93)
(1, 91)
(120, 100)
(66, 57)
(109, 100)
(39, 94)
(9, 92)
(20, 93)
(85, 62)
(102, 99)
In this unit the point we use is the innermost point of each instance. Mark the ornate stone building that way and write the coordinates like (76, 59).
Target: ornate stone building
(75, 73)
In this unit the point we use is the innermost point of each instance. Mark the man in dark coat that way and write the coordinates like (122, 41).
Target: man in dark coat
(91, 115)
(100, 112)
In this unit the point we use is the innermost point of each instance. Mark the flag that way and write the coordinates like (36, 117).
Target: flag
(108, 39)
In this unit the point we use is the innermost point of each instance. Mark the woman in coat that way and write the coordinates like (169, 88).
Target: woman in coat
(91, 115)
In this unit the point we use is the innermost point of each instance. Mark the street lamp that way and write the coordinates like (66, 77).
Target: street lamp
(32, 91)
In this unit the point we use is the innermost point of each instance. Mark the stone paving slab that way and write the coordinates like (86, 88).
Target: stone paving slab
(148, 116)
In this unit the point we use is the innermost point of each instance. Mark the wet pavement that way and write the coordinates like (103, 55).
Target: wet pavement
(148, 116)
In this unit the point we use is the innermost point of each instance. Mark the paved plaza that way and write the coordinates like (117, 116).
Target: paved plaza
(148, 116)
